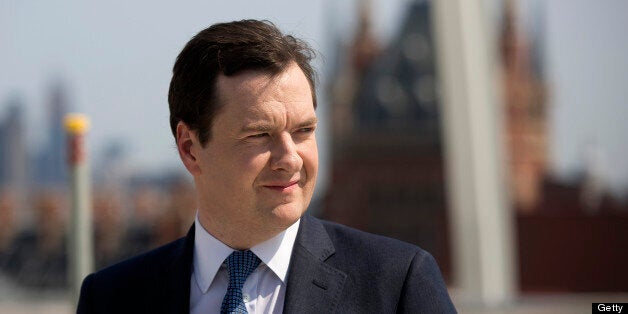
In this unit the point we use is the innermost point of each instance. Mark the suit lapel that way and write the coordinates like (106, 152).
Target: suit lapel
(313, 285)
(175, 287)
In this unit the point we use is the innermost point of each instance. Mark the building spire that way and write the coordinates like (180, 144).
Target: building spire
(364, 47)
(525, 114)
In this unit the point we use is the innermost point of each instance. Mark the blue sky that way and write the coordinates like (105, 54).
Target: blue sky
(116, 57)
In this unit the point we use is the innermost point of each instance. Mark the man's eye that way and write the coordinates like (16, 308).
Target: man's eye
(306, 130)
(259, 135)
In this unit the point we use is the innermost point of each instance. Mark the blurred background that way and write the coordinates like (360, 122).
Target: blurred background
(551, 76)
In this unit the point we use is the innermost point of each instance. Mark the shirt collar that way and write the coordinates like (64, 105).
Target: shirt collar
(210, 253)
(276, 251)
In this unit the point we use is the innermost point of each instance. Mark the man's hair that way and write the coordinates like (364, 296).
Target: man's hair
(228, 49)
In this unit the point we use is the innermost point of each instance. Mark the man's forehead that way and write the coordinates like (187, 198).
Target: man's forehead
(255, 86)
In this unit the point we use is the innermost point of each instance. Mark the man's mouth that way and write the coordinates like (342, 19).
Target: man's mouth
(282, 186)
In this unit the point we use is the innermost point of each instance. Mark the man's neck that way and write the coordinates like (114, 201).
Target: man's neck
(236, 237)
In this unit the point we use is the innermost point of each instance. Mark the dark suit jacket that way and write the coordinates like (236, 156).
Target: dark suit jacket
(334, 269)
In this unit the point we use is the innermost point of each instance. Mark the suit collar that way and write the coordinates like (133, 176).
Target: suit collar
(314, 286)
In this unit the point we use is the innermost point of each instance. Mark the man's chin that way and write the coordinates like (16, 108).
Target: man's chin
(287, 214)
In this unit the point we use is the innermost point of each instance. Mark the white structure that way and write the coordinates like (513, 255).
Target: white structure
(481, 220)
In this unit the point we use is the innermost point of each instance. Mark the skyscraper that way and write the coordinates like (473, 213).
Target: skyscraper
(13, 155)
(51, 160)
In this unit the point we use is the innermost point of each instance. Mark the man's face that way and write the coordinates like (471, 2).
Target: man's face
(258, 169)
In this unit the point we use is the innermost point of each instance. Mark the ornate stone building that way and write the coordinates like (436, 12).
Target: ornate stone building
(525, 114)
(387, 168)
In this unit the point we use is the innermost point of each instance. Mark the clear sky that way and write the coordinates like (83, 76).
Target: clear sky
(587, 59)
(116, 57)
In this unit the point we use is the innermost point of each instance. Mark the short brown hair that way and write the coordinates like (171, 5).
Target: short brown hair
(228, 49)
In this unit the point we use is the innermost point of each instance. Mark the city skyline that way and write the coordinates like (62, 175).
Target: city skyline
(116, 60)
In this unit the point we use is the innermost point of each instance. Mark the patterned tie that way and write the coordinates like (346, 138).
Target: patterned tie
(240, 264)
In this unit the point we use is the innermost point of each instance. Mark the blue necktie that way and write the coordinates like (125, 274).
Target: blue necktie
(240, 264)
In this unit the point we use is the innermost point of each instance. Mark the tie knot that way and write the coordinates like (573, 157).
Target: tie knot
(240, 264)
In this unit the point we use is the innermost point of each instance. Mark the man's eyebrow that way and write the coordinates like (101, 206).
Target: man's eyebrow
(265, 127)
(309, 122)
(257, 127)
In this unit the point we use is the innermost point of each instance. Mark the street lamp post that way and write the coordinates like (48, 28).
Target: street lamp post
(80, 238)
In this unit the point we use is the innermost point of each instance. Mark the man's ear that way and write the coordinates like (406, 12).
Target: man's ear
(187, 143)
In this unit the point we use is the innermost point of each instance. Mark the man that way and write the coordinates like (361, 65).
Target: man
(242, 104)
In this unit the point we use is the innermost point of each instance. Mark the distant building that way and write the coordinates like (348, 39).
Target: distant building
(571, 235)
(110, 166)
(526, 112)
(13, 154)
(525, 100)
(51, 161)
(387, 166)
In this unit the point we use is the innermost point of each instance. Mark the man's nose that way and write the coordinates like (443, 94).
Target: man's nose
(285, 155)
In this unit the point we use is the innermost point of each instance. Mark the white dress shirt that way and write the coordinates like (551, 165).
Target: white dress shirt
(264, 290)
